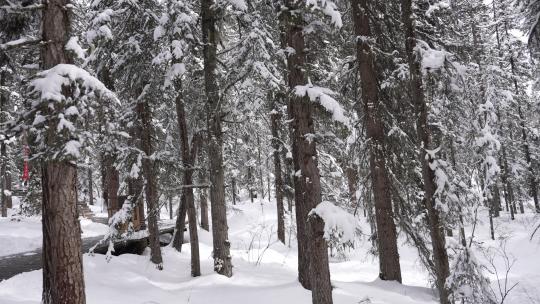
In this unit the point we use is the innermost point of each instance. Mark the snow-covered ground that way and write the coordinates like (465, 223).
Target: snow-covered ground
(265, 270)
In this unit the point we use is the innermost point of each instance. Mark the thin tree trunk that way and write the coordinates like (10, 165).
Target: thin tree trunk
(440, 256)
(352, 180)
(90, 187)
(276, 145)
(203, 200)
(250, 182)
(63, 280)
(111, 182)
(221, 245)
(180, 225)
(389, 266)
(233, 190)
(259, 165)
(313, 269)
(143, 111)
(288, 183)
(3, 155)
(188, 160)
(170, 208)
(7, 186)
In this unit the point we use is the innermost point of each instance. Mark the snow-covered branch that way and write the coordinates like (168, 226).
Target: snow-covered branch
(325, 99)
(22, 42)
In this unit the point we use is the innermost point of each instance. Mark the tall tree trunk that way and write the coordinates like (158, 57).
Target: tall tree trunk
(90, 187)
(260, 167)
(63, 281)
(222, 256)
(3, 155)
(440, 256)
(171, 213)
(276, 145)
(150, 186)
(203, 200)
(389, 267)
(352, 180)
(3, 179)
(110, 182)
(188, 160)
(288, 188)
(233, 190)
(110, 177)
(313, 269)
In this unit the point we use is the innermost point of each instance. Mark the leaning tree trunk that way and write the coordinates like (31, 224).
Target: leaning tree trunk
(313, 269)
(389, 267)
(221, 244)
(440, 256)
(63, 281)
(276, 145)
(188, 160)
(150, 187)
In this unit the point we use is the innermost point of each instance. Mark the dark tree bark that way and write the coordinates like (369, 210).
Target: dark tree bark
(352, 180)
(63, 281)
(276, 145)
(233, 190)
(90, 187)
(222, 256)
(389, 267)
(150, 187)
(110, 182)
(507, 185)
(188, 160)
(260, 167)
(171, 213)
(3, 196)
(288, 188)
(203, 199)
(180, 224)
(4, 99)
(440, 256)
(313, 269)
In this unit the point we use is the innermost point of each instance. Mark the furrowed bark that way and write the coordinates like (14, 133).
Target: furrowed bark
(63, 281)
(389, 266)
(221, 245)
(313, 269)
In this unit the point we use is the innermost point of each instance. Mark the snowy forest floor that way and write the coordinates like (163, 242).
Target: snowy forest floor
(265, 271)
